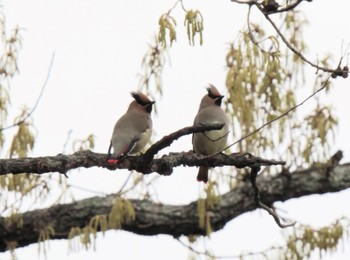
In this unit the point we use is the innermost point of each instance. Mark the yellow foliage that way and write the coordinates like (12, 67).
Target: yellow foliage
(166, 23)
(205, 205)
(122, 212)
(194, 25)
(307, 240)
(44, 237)
(22, 142)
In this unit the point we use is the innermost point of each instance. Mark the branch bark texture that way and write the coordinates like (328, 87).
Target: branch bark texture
(154, 218)
(63, 163)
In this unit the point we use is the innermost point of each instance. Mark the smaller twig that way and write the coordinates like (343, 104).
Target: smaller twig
(284, 39)
(124, 184)
(217, 139)
(253, 174)
(252, 2)
(288, 7)
(284, 9)
(278, 117)
(262, 252)
(67, 141)
(38, 99)
(205, 253)
(250, 32)
(290, 46)
(174, 6)
(168, 139)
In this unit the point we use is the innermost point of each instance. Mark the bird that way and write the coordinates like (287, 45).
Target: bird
(210, 142)
(133, 130)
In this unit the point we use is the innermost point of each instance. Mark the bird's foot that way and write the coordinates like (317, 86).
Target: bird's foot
(112, 161)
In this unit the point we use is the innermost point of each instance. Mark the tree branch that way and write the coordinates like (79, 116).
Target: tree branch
(144, 163)
(168, 139)
(264, 9)
(154, 218)
(294, 50)
(63, 163)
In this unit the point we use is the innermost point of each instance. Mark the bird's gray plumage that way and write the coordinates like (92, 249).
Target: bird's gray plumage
(210, 142)
(133, 130)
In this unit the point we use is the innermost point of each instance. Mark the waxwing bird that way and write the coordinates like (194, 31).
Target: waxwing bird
(210, 142)
(133, 130)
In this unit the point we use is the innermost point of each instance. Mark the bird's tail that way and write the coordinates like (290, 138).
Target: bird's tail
(203, 174)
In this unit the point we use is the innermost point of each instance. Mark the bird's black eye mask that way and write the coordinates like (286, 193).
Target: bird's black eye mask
(210, 94)
(141, 102)
(149, 106)
(218, 99)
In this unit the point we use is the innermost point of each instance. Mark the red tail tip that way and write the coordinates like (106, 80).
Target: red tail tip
(112, 161)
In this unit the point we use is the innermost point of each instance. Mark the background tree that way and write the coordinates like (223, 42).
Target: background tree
(266, 66)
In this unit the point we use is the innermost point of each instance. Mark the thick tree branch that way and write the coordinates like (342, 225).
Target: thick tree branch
(154, 218)
(63, 163)
(144, 163)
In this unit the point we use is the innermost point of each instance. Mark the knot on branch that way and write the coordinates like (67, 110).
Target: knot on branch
(341, 72)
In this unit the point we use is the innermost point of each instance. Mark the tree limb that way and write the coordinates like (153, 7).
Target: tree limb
(154, 218)
(144, 163)
(63, 163)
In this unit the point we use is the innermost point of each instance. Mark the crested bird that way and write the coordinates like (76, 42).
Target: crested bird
(210, 142)
(133, 130)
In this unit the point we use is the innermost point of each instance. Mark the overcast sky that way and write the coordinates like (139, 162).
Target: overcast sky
(98, 49)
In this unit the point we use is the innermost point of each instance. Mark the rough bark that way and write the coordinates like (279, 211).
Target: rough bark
(63, 163)
(153, 218)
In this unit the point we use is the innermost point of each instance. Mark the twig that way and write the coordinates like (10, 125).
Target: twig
(290, 46)
(286, 42)
(217, 139)
(288, 7)
(124, 184)
(277, 118)
(285, 9)
(250, 32)
(38, 99)
(229, 257)
(174, 6)
(253, 174)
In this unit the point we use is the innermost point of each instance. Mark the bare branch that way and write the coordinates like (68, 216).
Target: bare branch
(291, 47)
(343, 72)
(288, 7)
(168, 139)
(63, 163)
(38, 99)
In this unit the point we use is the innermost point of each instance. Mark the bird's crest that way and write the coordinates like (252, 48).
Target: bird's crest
(213, 92)
(141, 98)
